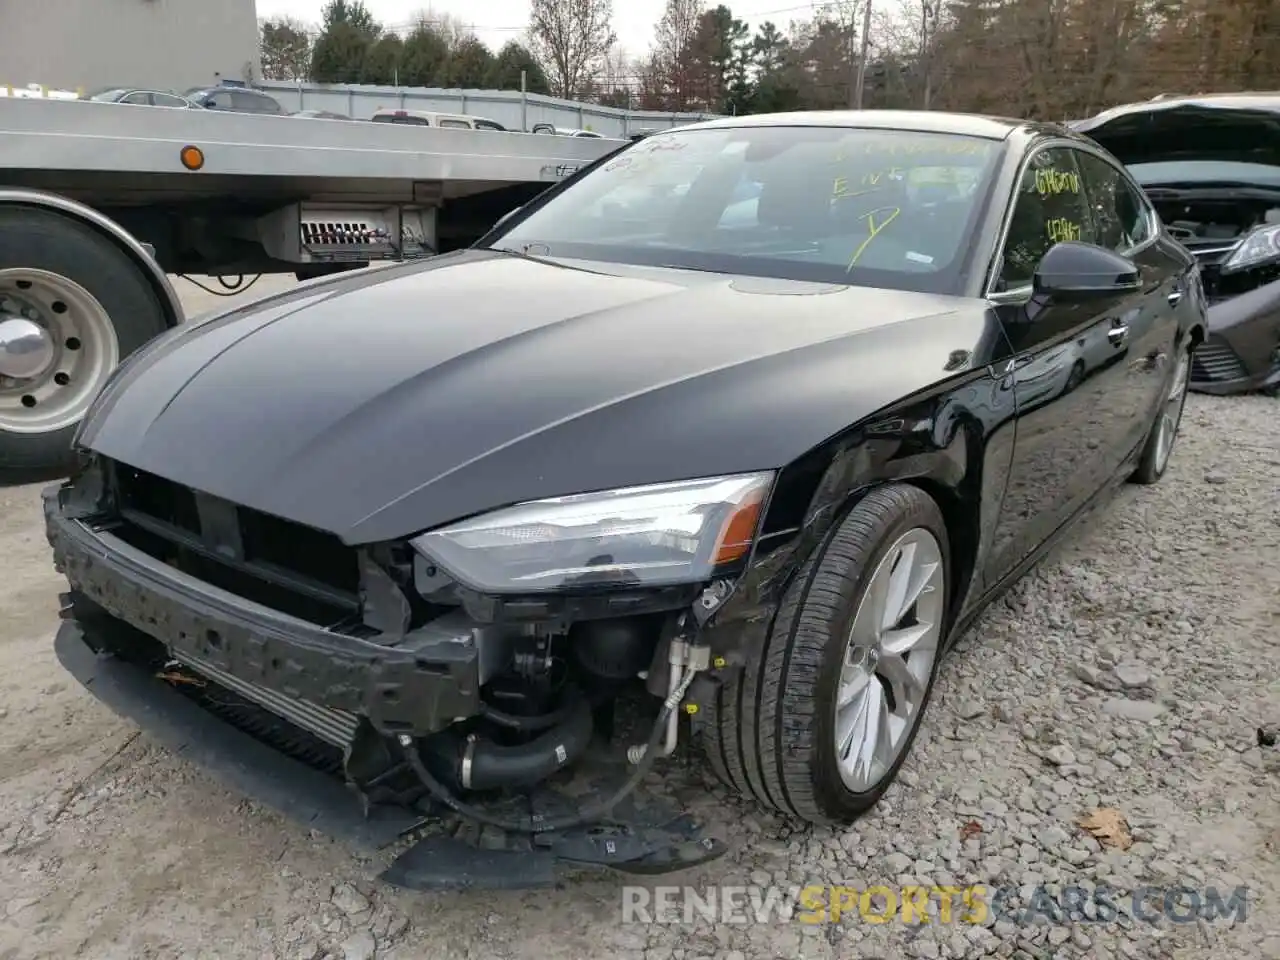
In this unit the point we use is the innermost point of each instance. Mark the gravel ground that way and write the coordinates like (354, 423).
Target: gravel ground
(1131, 671)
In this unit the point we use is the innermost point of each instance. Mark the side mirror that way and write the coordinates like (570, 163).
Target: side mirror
(1072, 271)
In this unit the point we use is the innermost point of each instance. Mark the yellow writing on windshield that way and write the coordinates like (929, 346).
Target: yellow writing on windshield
(1050, 182)
(897, 147)
(856, 186)
(875, 226)
(1060, 229)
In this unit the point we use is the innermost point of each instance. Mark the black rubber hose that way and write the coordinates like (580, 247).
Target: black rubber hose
(493, 766)
(512, 721)
(585, 814)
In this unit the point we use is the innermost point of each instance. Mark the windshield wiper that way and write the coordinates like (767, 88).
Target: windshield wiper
(523, 251)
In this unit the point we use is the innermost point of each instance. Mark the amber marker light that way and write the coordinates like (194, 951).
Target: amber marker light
(192, 157)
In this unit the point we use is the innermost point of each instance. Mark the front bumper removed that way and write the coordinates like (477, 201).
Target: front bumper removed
(123, 600)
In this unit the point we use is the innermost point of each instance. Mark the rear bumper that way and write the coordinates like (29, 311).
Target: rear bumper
(417, 689)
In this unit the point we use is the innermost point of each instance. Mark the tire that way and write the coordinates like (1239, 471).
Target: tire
(1075, 377)
(1154, 459)
(770, 733)
(101, 273)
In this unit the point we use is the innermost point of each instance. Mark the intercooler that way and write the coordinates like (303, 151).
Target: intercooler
(335, 727)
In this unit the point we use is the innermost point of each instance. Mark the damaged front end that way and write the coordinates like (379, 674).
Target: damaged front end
(1211, 168)
(366, 693)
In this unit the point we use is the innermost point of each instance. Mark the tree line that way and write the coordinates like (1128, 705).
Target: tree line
(1047, 59)
(351, 46)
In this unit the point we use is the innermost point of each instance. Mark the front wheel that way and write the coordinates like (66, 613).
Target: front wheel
(72, 306)
(820, 726)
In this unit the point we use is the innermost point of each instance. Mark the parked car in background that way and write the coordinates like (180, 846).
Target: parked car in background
(140, 97)
(429, 118)
(320, 115)
(564, 131)
(234, 100)
(1211, 166)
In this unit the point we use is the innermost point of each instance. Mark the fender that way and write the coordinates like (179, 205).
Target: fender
(954, 440)
(142, 255)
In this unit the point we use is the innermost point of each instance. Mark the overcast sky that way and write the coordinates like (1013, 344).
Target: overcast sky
(497, 21)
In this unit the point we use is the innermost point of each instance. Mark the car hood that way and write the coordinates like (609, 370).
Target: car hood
(1239, 128)
(387, 402)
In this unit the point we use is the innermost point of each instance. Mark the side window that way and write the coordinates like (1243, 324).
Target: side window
(456, 124)
(1120, 211)
(1049, 207)
(220, 100)
(138, 97)
(166, 100)
(251, 103)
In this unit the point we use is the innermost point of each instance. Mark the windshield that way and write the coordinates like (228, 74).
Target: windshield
(886, 208)
(1191, 172)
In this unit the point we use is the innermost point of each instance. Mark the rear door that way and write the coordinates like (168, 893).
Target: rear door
(1127, 224)
(1067, 368)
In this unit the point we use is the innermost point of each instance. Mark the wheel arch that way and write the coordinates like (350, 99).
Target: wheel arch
(814, 494)
(109, 230)
(961, 516)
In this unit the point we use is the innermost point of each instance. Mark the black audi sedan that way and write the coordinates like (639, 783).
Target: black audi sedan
(747, 422)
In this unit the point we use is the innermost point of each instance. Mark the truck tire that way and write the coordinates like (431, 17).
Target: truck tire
(72, 306)
(774, 730)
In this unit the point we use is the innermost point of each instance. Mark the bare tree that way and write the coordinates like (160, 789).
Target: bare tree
(285, 48)
(845, 14)
(617, 79)
(454, 31)
(571, 37)
(673, 45)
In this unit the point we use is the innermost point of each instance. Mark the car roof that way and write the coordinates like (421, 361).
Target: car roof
(219, 87)
(917, 121)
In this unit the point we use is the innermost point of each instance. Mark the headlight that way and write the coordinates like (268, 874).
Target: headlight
(656, 535)
(1258, 247)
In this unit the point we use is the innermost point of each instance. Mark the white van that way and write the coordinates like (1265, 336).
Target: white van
(428, 118)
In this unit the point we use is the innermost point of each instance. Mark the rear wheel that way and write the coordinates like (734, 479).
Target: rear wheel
(72, 306)
(820, 726)
(1164, 430)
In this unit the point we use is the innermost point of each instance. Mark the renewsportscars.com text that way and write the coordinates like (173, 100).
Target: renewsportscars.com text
(914, 905)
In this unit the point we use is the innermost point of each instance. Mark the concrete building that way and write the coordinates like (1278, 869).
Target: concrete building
(164, 44)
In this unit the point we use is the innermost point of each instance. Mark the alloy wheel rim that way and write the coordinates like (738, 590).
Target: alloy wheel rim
(51, 319)
(1171, 413)
(888, 660)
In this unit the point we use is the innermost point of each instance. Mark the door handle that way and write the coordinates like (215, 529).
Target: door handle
(1118, 333)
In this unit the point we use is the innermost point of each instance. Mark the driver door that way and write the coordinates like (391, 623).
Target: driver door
(1067, 371)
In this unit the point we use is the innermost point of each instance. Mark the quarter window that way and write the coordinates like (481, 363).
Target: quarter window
(1050, 207)
(1119, 210)
(253, 103)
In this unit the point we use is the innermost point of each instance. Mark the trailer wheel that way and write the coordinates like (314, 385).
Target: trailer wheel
(72, 306)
